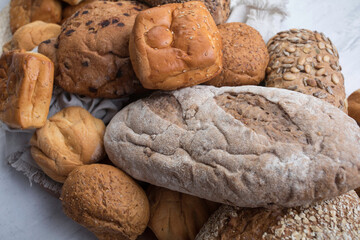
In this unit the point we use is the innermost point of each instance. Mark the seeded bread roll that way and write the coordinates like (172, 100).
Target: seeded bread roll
(105, 200)
(175, 45)
(26, 84)
(337, 218)
(307, 62)
(245, 56)
(219, 9)
(93, 50)
(175, 215)
(23, 12)
(247, 146)
(49, 48)
(69, 139)
(31, 35)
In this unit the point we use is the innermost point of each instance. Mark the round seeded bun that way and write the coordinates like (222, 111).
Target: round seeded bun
(105, 200)
(337, 218)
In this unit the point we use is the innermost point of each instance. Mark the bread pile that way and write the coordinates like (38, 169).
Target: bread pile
(273, 157)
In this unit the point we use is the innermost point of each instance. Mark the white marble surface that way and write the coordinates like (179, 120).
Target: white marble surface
(28, 212)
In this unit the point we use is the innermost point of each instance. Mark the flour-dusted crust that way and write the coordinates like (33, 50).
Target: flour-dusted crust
(337, 218)
(247, 146)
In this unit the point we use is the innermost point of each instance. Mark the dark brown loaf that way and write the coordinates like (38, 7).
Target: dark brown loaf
(105, 200)
(177, 216)
(307, 62)
(92, 50)
(337, 218)
(23, 12)
(174, 46)
(245, 56)
(248, 146)
(219, 9)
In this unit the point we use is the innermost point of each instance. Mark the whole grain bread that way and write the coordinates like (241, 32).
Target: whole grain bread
(245, 56)
(337, 218)
(105, 200)
(307, 62)
(246, 146)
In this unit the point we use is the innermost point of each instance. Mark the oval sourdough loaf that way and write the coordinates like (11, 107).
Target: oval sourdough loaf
(247, 146)
(307, 62)
(337, 218)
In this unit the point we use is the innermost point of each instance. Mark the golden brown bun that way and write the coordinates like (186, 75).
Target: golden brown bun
(105, 200)
(175, 45)
(245, 56)
(73, 2)
(306, 62)
(175, 215)
(219, 9)
(354, 105)
(26, 83)
(337, 218)
(70, 138)
(31, 35)
(93, 50)
(23, 12)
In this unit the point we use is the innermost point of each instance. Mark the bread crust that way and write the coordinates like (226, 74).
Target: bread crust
(306, 62)
(23, 12)
(245, 56)
(105, 200)
(246, 146)
(175, 45)
(336, 218)
(26, 83)
(70, 138)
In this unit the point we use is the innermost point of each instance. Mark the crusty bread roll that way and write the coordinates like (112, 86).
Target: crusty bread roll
(105, 200)
(23, 12)
(70, 138)
(31, 35)
(219, 9)
(245, 56)
(92, 51)
(177, 216)
(26, 83)
(247, 146)
(175, 45)
(307, 62)
(354, 105)
(337, 218)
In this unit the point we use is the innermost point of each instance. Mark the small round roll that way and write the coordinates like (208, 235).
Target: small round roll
(105, 200)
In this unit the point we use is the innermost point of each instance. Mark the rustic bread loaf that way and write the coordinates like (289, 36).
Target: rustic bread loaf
(31, 35)
(307, 62)
(23, 12)
(245, 56)
(175, 215)
(175, 45)
(247, 146)
(105, 200)
(69, 139)
(26, 84)
(92, 50)
(219, 9)
(337, 218)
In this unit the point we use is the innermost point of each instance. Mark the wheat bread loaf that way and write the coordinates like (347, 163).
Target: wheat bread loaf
(246, 146)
